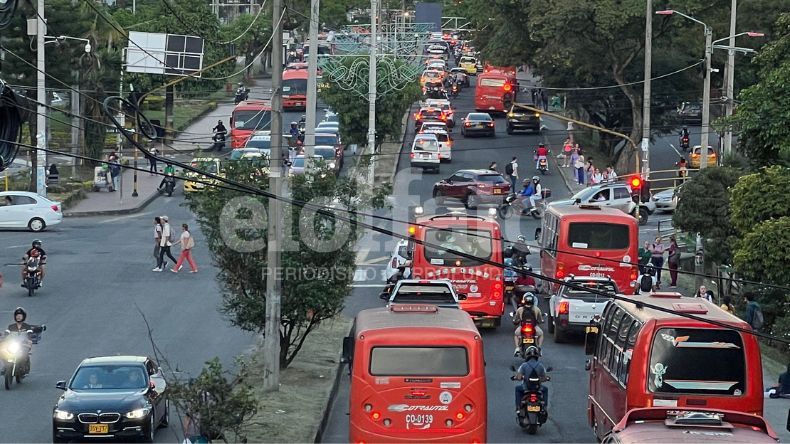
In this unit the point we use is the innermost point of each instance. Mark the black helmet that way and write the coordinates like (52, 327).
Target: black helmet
(528, 299)
(542, 145)
(532, 352)
(36, 243)
(18, 311)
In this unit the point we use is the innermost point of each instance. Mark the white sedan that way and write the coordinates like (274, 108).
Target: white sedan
(666, 200)
(22, 209)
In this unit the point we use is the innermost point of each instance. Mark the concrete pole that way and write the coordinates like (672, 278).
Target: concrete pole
(41, 98)
(730, 69)
(646, 92)
(312, 69)
(372, 90)
(271, 339)
(703, 158)
(76, 126)
(119, 145)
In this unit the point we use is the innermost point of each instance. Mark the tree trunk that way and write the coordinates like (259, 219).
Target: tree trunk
(628, 161)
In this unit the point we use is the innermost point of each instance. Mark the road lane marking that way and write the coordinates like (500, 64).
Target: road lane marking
(676, 150)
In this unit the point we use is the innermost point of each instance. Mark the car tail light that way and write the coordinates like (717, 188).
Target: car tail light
(411, 155)
(442, 116)
(560, 274)
(564, 308)
(633, 274)
(55, 208)
(467, 124)
(440, 155)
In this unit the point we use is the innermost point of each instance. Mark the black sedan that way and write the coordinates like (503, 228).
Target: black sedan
(115, 397)
(478, 123)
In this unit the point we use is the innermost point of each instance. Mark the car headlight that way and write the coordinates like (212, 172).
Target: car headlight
(13, 348)
(138, 413)
(63, 415)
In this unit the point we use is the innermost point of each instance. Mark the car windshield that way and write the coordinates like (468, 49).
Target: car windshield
(109, 377)
(491, 178)
(331, 118)
(432, 293)
(676, 356)
(598, 236)
(252, 119)
(698, 150)
(325, 140)
(585, 194)
(442, 137)
(467, 60)
(298, 162)
(431, 74)
(260, 142)
(479, 117)
(587, 295)
(237, 154)
(326, 153)
(477, 243)
(206, 165)
(426, 144)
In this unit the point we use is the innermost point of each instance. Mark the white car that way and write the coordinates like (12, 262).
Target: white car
(666, 200)
(445, 106)
(440, 292)
(398, 258)
(297, 166)
(327, 125)
(425, 152)
(445, 143)
(431, 126)
(572, 309)
(22, 209)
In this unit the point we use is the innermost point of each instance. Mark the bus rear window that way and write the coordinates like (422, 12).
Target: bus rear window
(492, 82)
(598, 236)
(419, 361)
(676, 356)
(476, 243)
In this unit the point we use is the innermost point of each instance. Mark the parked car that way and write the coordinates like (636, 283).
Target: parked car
(572, 309)
(472, 188)
(478, 123)
(113, 397)
(425, 152)
(22, 209)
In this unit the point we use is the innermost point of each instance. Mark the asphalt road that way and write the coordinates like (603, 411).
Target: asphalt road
(567, 421)
(98, 277)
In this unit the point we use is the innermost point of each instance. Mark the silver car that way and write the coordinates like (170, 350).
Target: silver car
(666, 200)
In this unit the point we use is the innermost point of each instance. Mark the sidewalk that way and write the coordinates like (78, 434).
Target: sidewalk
(102, 203)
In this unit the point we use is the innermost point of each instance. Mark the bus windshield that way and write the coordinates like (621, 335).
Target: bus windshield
(473, 242)
(598, 236)
(252, 119)
(676, 356)
(419, 361)
(295, 86)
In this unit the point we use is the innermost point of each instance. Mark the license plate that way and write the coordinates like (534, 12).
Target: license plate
(497, 191)
(528, 341)
(419, 422)
(533, 408)
(98, 428)
(509, 288)
(299, 103)
(426, 156)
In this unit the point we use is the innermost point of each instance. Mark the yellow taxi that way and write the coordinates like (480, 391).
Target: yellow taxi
(208, 164)
(431, 75)
(695, 156)
(468, 64)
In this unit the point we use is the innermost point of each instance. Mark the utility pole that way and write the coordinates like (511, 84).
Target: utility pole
(41, 98)
(271, 340)
(646, 94)
(703, 158)
(76, 126)
(372, 90)
(730, 77)
(312, 69)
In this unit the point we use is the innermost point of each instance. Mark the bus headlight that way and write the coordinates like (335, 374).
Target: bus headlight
(492, 211)
(419, 211)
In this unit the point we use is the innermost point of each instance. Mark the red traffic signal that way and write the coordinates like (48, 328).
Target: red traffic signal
(636, 182)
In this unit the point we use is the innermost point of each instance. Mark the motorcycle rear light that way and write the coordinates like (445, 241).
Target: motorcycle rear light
(527, 328)
(533, 397)
(564, 308)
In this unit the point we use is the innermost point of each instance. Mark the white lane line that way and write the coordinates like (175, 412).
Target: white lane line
(676, 150)
(120, 218)
(16, 246)
(379, 262)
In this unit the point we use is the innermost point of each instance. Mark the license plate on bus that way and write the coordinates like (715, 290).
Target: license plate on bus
(419, 422)
(533, 408)
(100, 429)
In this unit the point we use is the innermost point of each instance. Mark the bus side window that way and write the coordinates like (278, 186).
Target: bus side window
(606, 319)
(614, 328)
(622, 336)
(627, 350)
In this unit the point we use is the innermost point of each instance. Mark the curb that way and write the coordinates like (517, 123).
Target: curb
(141, 206)
(332, 394)
(402, 144)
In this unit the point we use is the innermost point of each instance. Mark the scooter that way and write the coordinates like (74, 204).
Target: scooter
(513, 204)
(532, 412)
(15, 354)
(169, 186)
(543, 166)
(32, 275)
(241, 95)
(454, 90)
(219, 142)
(684, 143)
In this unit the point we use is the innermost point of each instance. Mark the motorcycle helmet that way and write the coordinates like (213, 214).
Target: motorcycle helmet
(532, 352)
(20, 311)
(536, 179)
(528, 299)
(37, 243)
(525, 182)
(542, 145)
(293, 124)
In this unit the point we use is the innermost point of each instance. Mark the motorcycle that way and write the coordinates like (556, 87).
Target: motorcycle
(32, 275)
(241, 95)
(454, 90)
(532, 412)
(169, 186)
(543, 166)
(513, 203)
(219, 141)
(15, 353)
(402, 273)
(684, 143)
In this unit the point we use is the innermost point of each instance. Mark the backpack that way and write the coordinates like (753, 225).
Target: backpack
(509, 169)
(646, 283)
(758, 320)
(172, 237)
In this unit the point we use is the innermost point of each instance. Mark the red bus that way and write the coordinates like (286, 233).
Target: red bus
(496, 91)
(294, 89)
(587, 240)
(247, 117)
(479, 236)
(649, 358)
(417, 375)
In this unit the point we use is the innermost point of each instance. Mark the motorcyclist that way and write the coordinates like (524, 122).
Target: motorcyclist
(220, 130)
(532, 366)
(528, 310)
(294, 131)
(19, 325)
(35, 251)
(538, 194)
(541, 153)
(526, 193)
(169, 171)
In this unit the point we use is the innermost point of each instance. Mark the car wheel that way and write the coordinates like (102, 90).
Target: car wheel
(471, 201)
(437, 197)
(509, 129)
(643, 215)
(149, 434)
(550, 325)
(36, 224)
(166, 417)
(559, 335)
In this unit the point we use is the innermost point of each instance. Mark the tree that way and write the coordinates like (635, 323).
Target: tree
(319, 254)
(249, 33)
(760, 196)
(347, 95)
(762, 253)
(215, 403)
(704, 207)
(764, 108)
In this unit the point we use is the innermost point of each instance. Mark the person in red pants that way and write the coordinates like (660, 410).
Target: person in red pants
(187, 244)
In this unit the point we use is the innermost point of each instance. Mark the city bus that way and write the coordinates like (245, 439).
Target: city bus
(643, 357)
(496, 91)
(295, 89)
(478, 236)
(248, 117)
(588, 240)
(417, 375)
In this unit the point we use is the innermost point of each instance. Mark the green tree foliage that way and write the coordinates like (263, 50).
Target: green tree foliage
(217, 404)
(764, 108)
(762, 253)
(760, 196)
(351, 103)
(319, 251)
(249, 34)
(704, 207)
(332, 14)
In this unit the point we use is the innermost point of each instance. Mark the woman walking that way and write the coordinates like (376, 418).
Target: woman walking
(579, 165)
(187, 244)
(673, 261)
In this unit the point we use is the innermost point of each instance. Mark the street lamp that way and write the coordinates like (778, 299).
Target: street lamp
(61, 38)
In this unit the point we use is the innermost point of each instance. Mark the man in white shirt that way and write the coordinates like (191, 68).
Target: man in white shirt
(164, 245)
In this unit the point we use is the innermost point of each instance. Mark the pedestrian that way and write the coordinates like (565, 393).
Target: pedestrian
(511, 170)
(683, 171)
(492, 167)
(657, 258)
(535, 97)
(578, 148)
(589, 170)
(157, 238)
(544, 98)
(726, 305)
(152, 160)
(704, 293)
(567, 147)
(115, 172)
(187, 244)
(644, 257)
(610, 176)
(754, 314)
(168, 237)
(579, 166)
(354, 149)
(597, 177)
(673, 261)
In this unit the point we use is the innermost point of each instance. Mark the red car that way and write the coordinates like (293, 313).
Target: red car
(472, 188)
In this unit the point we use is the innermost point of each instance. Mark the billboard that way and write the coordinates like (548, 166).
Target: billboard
(429, 13)
(170, 54)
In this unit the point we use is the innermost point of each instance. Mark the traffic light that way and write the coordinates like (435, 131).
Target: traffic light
(636, 183)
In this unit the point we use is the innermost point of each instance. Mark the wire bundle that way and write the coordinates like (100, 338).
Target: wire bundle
(7, 9)
(10, 124)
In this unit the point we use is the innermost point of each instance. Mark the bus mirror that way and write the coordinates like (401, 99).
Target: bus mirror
(461, 296)
(590, 339)
(537, 233)
(384, 296)
(577, 201)
(588, 365)
(348, 349)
